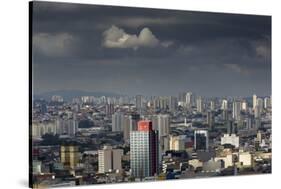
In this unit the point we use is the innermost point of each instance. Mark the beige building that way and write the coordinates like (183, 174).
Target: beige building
(177, 143)
(109, 159)
(69, 155)
(245, 159)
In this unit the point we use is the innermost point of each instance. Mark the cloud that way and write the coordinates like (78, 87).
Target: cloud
(115, 37)
(53, 44)
(144, 21)
(237, 68)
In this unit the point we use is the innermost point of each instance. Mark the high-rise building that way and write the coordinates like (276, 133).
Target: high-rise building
(254, 101)
(69, 155)
(161, 123)
(177, 143)
(210, 119)
(224, 105)
(199, 104)
(139, 103)
(231, 127)
(201, 140)
(144, 150)
(188, 100)
(267, 102)
(172, 103)
(244, 106)
(109, 159)
(212, 105)
(134, 119)
(117, 121)
(258, 108)
(126, 127)
(109, 109)
(236, 110)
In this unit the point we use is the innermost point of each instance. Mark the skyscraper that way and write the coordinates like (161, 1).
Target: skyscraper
(212, 105)
(199, 104)
(224, 104)
(210, 119)
(236, 110)
(109, 109)
(254, 101)
(109, 159)
(161, 123)
(126, 127)
(117, 121)
(139, 102)
(201, 140)
(144, 150)
(188, 100)
(172, 103)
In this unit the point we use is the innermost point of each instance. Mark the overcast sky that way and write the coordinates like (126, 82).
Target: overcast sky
(148, 51)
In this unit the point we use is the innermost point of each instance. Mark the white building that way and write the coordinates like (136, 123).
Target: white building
(224, 105)
(230, 139)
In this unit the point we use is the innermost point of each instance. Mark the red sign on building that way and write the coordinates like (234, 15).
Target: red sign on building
(145, 125)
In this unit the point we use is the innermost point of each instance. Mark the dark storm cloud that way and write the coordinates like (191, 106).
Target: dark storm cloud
(185, 50)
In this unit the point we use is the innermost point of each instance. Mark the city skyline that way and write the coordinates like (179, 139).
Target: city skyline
(149, 52)
(122, 94)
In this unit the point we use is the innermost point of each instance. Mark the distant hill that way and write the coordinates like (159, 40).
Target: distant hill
(70, 94)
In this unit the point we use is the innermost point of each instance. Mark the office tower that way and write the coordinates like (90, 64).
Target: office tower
(144, 150)
(188, 100)
(232, 139)
(244, 106)
(126, 127)
(210, 119)
(177, 143)
(109, 159)
(201, 140)
(172, 103)
(267, 102)
(134, 119)
(212, 105)
(224, 105)
(117, 121)
(139, 103)
(231, 127)
(254, 101)
(161, 123)
(225, 115)
(69, 155)
(236, 110)
(258, 108)
(109, 109)
(249, 123)
(199, 104)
